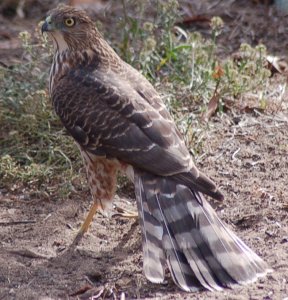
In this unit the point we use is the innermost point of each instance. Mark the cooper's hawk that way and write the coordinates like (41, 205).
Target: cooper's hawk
(120, 123)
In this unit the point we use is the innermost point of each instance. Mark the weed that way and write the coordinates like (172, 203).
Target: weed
(33, 147)
(183, 66)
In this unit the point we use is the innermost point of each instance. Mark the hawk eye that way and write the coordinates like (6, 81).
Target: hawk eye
(69, 22)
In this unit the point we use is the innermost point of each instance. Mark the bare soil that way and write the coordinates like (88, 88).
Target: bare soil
(246, 153)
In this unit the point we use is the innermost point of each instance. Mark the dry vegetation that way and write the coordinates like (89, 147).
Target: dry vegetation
(211, 63)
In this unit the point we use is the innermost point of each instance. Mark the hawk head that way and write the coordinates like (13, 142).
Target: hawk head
(69, 28)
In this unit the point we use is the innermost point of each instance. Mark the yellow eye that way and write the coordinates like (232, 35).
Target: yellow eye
(69, 22)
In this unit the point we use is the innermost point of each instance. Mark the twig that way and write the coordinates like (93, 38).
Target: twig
(47, 217)
(234, 154)
(31, 281)
(17, 222)
(28, 253)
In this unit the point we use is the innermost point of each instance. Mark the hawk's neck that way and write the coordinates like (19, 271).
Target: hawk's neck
(98, 56)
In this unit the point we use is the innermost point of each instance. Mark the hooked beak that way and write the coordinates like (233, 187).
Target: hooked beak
(47, 25)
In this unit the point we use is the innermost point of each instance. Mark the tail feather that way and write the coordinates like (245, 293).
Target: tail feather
(176, 259)
(179, 268)
(185, 228)
(242, 263)
(152, 233)
(180, 227)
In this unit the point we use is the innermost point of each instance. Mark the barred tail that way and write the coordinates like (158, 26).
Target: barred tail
(180, 228)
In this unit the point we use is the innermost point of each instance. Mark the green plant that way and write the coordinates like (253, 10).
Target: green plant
(34, 149)
(184, 66)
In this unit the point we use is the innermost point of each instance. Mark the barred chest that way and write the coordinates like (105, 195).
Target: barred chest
(65, 61)
(102, 176)
(59, 67)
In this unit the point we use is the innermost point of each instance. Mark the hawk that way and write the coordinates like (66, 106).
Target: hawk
(120, 123)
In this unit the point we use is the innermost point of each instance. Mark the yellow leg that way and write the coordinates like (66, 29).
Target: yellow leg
(87, 222)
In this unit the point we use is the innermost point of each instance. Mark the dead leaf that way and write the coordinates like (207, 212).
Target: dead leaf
(82, 290)
(212, 107)
(218, 73)
(251, 109)
(276, 64)
(247, 221)
(203, 20)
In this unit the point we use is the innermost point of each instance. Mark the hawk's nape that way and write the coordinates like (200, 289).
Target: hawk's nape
(119, 122)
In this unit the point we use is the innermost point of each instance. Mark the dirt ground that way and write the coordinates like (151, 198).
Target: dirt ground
(246, 153)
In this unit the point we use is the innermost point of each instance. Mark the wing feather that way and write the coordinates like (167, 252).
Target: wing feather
(112, 117)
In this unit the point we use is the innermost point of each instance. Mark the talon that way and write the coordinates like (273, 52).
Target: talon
(124, 213)
(78, 238)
